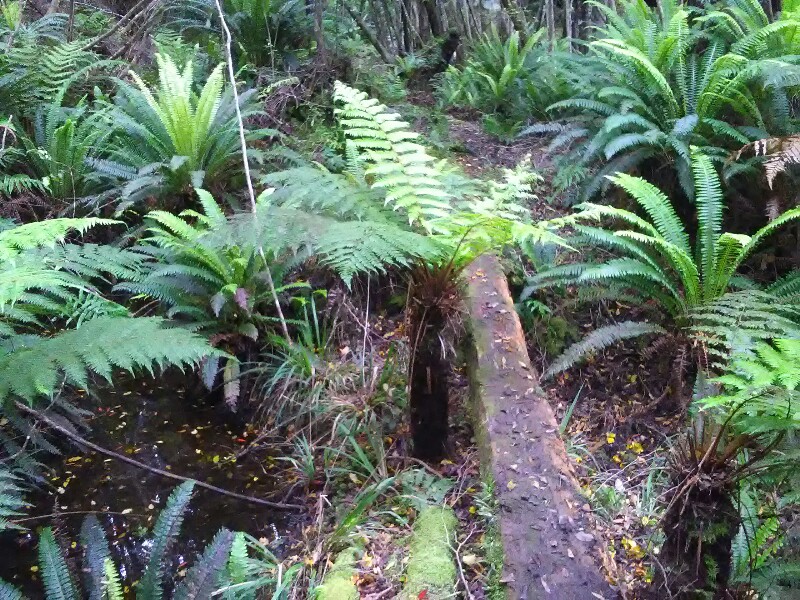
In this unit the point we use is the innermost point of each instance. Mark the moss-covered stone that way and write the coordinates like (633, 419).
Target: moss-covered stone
(430, 565)
(338, 583)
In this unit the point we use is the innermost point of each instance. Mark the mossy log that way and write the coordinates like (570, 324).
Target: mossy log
(338, 583)
(431, 571)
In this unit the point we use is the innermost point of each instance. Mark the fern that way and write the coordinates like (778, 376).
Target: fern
(225, 559)
(9, 592)
(164, 533)
(599, 339)
(12, 501)
(652, 88)
(202, 580)
(349, 247)
(94, 348)
(692, 286)
(113, 587)
(39, 72)
(97, 558)
(173, 137)
(15, 240)
(237, 568)
(63, 145)
(11, 185)
(58, 583)
(397, 165)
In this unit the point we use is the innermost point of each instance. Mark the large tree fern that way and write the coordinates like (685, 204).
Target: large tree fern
(692, 285)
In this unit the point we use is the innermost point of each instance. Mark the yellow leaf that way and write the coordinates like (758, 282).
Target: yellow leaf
(215, 459)
(611, 437)
(511, 485)
(635, 447)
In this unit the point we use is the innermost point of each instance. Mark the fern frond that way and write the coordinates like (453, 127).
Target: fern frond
(36, 370)
(113, 586)
(658, 207)
(96, 554)
(9, 592)
(12, 501)
(396, 164)
(708, 197)
(786, 286)
(318, 190)
(363, 247)
(43, 233)
(600, 339)
(58, 582)
(164, 533)
(202, 580)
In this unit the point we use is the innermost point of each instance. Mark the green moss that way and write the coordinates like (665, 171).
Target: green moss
(493, 547)
(557, 334)
(338, 584)
(430, 566)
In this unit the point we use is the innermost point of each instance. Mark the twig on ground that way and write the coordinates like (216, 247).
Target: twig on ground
(457, 552)
(81, 441)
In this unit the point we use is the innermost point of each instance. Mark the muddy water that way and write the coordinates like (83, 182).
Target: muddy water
(160, 427)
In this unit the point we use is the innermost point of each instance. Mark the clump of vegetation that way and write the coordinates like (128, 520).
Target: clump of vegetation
(431, 570)
(338, 583)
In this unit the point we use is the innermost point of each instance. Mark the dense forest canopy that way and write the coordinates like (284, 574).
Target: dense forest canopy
(241, 243)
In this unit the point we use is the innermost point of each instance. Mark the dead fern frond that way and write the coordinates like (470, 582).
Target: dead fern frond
(779, 153)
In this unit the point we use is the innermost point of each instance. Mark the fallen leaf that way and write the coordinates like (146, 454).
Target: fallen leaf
(469, 559)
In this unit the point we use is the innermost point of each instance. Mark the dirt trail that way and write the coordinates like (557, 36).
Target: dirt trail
(484, 152)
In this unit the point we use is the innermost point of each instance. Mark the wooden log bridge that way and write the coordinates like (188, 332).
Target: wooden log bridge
(550, 548)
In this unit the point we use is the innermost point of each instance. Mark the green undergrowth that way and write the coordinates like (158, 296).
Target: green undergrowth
(492, 543)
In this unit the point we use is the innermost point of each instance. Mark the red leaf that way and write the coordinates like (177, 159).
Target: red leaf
(422, 595)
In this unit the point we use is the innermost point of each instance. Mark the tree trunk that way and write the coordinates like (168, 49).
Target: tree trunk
(434, 18)
(408, 27)
(549, 16)
(71, 22)
(370, 35)
(319, 33)
(568, 16)
(514, 13)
